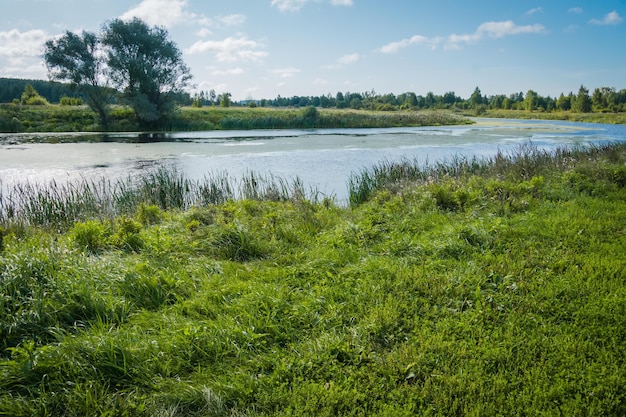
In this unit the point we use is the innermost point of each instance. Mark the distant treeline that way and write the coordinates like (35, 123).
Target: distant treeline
(602, 99)
(12, 89)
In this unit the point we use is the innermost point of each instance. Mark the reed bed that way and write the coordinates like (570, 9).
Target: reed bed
(59, 205)
(524, 162)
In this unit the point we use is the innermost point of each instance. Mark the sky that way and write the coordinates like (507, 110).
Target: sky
(257, 49)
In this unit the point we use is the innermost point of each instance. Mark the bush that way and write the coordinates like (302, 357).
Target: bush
(36, 101)
(71, 101)
(127, 236)
(149, 214)
(90, 236)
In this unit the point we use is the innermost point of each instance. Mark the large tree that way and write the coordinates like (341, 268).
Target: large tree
(129, 57)
(147, 67)
(78, 59)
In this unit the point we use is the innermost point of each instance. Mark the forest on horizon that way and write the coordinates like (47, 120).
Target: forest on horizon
(602, 99)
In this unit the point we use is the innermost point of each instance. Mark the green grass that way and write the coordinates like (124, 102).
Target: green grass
(608, 118)
(54, 118)
(471, 288)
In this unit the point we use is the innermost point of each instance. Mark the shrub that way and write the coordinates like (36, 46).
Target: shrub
(127, 236)
(71, 101)
(90, 236)
(149, 214)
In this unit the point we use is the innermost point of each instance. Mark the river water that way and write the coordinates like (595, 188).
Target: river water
(322, 159)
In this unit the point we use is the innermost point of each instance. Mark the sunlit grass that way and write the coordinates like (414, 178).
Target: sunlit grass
(56, 118)
(469, 288)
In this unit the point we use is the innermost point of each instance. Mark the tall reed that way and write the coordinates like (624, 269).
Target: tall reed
(59, 205)
(522, 163)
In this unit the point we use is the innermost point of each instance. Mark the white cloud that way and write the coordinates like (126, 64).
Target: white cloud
(165, 13)
(394, 47)
(320, 81)
(21, 69)
(507, 28)
(286, 72)
(220, 88)
(454, 41)
(220, 21)
(534, 11)
(233, 71)
(232, 19)
(612, 18)
(343, 61)
(15, 44)
(577, 10)
(170, 13)
(294, 5)
(348, 59)
(492, 30)
(204, 32)
(230, 49)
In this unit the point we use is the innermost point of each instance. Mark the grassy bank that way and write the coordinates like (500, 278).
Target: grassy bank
(608, 118)
(468, 288)
(54, 118)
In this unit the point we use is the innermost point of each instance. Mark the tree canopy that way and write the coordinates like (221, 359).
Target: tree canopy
(140, 62)
(78, 60)
(146, 66)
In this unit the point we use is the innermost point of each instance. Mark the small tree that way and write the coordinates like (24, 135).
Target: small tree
(31, 97)
(530, 102)
(225, 100)
(582, 104)
(476, 99)
(563, 103)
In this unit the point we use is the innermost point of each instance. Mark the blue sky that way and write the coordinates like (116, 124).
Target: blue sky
(265, 48)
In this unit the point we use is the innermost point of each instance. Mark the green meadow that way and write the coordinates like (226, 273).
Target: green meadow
(608, 118)
(57, 118)
(467, 288)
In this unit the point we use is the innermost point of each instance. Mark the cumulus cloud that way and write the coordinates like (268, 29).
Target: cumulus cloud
(15, 44)
(394, 47)
(230, 49)
(232, 19)
(294, 5)
(348, 59)
(233, 71)
(21, 69)
(165, 13)
(576, 10)
(343, 61)
(534, 11)
(612, 18)
(288, 72)
(204, 32)
(454, 41)
(507, 28)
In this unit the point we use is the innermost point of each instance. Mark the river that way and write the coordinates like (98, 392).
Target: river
(322, 159)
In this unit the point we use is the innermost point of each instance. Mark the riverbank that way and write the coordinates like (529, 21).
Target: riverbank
(607, 118)
(54, 118)
(464, 288)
